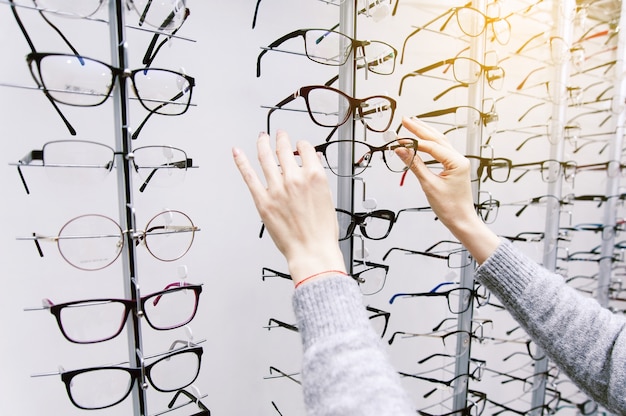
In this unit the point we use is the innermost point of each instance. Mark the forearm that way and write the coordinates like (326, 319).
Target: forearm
(345, 370)
(474, 234)
(585, 340)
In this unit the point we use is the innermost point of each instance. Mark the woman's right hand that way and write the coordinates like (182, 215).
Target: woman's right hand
(449, 192)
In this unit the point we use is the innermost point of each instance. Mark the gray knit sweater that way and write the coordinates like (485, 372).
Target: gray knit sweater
(346, 372)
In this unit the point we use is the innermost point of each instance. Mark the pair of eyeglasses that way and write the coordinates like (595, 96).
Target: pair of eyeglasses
(96, 320)
(323, 103)
(472, 22)
(362, 154)
(102, 387)
(464, 70)
(84, 82)
(374, 225)
(458, 299)
(164, 17)
(551, 170)
(93, 241)
(329, 47)
(498, 169)
(456, 258)
(86, 162)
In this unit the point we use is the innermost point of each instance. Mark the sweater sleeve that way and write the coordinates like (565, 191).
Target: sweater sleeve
(345, 370)
(585, 340)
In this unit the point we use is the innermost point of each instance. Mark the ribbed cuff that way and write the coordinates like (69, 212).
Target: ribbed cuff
(328, 306)
(507, 272)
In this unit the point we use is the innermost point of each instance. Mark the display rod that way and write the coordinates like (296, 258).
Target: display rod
(124, 187)
(474, 140)
(613, 182)
(345, 180)
(562, 15)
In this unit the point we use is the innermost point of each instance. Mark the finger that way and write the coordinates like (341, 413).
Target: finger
(255, 186)
(270, 168)
(284, 152)
(308, 155)
(424, 131)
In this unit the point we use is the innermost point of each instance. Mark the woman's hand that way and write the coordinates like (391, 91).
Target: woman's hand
(296, 207)
(449, 191)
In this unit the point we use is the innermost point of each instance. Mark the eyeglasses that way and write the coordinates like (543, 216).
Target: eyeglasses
(84, 82)
(472, 23)
(551, 170)
(93, 242)
(102, 387)
(204, 411)
(374, 225)
(458, 299)
(97, 320)
(162, 15)
(85, 162)
(362, 154)
(455, 258)
(329, 47)
(165, 18)
(498, 169)
(465, 70)
(323, 104)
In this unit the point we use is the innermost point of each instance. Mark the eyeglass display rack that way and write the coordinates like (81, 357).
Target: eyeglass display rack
(561, 26)
(123, 167)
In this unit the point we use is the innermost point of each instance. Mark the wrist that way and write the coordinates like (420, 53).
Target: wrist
(316, 265)
(476, 237)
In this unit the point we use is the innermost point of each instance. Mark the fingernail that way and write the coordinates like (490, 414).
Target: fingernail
(262, 133)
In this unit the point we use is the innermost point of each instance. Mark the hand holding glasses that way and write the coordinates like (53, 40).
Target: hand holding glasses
(77, 161)
(92, 241)
(363, 153)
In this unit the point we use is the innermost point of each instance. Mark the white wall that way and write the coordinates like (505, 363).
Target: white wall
(227, 256)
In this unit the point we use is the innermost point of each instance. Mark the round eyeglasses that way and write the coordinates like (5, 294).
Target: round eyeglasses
(93, 241)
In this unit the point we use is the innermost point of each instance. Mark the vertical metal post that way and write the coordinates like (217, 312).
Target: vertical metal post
(613, 183)
(562, 12)
(474, 141)
(124, 185)
(345, 182)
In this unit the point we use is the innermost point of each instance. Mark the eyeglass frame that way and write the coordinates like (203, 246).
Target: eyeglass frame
(137, 235)
(135, 305)
(355, 44)
(38, 155)
(136, 374)
(355, 106)
(121, 73)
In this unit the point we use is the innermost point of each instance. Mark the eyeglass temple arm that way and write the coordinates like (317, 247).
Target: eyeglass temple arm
(153, 50)
(278, 106)
(26, 160)
(422, 70)
(183, 164)
(192, 83)
(256, 12)
(424, 26)
(277, 42)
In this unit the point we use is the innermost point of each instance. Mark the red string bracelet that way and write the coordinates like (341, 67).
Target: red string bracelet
(320, 273)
